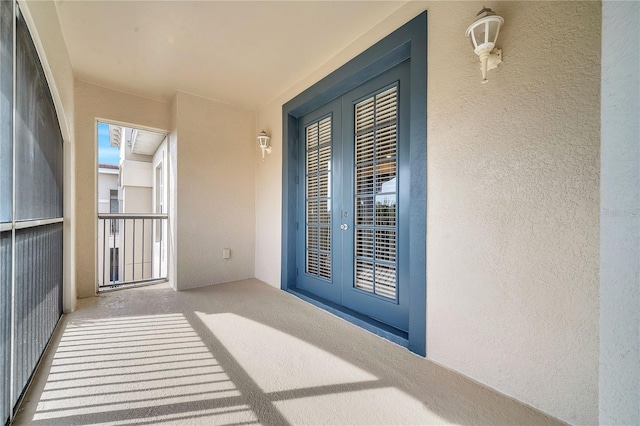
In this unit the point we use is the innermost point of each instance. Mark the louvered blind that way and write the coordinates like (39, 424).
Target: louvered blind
(375, 232)
(318, 198)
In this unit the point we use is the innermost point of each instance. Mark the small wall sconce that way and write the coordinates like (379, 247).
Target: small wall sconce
(263, 142)
(483, 34)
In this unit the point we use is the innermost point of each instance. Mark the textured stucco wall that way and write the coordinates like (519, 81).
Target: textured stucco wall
(513, 203)
(43, 23)
(95, 102)
(216, 191)
(620, 215)
(269, 197)
(513, 207)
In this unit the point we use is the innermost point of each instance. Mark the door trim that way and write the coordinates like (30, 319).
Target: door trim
(409, 42)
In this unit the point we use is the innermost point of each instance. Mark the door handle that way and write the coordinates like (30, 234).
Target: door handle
(344, 226)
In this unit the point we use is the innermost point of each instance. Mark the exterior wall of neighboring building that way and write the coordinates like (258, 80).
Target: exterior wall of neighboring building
(109, 255)
(137, 263)
(107, 182)
(513, 199)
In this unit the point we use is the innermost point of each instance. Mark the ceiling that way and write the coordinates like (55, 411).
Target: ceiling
(241, 52)
(145, 142)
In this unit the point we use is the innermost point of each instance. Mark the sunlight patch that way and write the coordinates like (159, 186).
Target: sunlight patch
(265, 353)
(138, 370)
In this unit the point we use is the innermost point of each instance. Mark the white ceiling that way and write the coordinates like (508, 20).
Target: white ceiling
(242, 52)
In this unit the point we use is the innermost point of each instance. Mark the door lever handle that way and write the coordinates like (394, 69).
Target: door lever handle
(344, 226)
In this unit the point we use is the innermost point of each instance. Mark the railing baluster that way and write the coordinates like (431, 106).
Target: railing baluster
(161, 243)
(120, 242)
(124, 249)
(104, 231)
(143, 248)
(153, 246)
(133, 274)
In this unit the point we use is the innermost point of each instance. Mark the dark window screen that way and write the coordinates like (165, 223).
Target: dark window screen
(31, 173)
(38, 296)
(6, 110)
(6, 184)
(5, 323)
(38, 142)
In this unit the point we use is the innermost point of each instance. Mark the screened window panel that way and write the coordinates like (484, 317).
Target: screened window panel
(318, 198)
(6, 110)
(5, 323)
(38, 142)
(38, 296)
(6, 200)
(30, 263)
(375, 234)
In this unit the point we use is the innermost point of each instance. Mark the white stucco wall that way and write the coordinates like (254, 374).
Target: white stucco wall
(92, 103)
(513, 202)
(107, 181)
(215, 191)
(137, 173)
(620, 215)
(43, 23)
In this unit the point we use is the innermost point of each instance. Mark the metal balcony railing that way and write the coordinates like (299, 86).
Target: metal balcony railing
(132, 249)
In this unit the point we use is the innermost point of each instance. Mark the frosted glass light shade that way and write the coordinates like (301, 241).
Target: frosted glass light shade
(484, 32)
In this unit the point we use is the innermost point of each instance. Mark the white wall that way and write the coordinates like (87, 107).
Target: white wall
(620, 215)
(513, 178)
(137, 199)
(215, 191)
(43, 23)
(136, 173)
(107, 181)
(98, 103)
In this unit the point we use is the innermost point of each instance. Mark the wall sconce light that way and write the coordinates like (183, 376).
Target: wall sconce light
(263, 142)
(483, 34)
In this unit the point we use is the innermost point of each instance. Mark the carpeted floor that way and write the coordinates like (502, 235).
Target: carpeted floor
(243, 353)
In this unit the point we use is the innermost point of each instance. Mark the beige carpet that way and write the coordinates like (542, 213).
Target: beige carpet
(243, 353)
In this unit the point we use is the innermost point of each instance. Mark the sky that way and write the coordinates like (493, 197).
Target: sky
(107, 154)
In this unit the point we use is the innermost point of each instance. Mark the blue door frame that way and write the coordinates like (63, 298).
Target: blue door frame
(407, 43)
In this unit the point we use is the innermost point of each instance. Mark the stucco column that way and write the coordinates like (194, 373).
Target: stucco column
(619, 387)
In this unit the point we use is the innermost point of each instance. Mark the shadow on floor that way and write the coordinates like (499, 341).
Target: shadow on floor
(243, 353)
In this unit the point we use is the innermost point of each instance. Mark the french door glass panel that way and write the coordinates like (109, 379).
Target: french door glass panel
(318, 137)
(375, 193)
(354, 234)
(318, 188)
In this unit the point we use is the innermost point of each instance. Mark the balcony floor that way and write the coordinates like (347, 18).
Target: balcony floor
(242, 353)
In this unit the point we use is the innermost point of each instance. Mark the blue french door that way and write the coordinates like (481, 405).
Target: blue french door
(353, 200)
